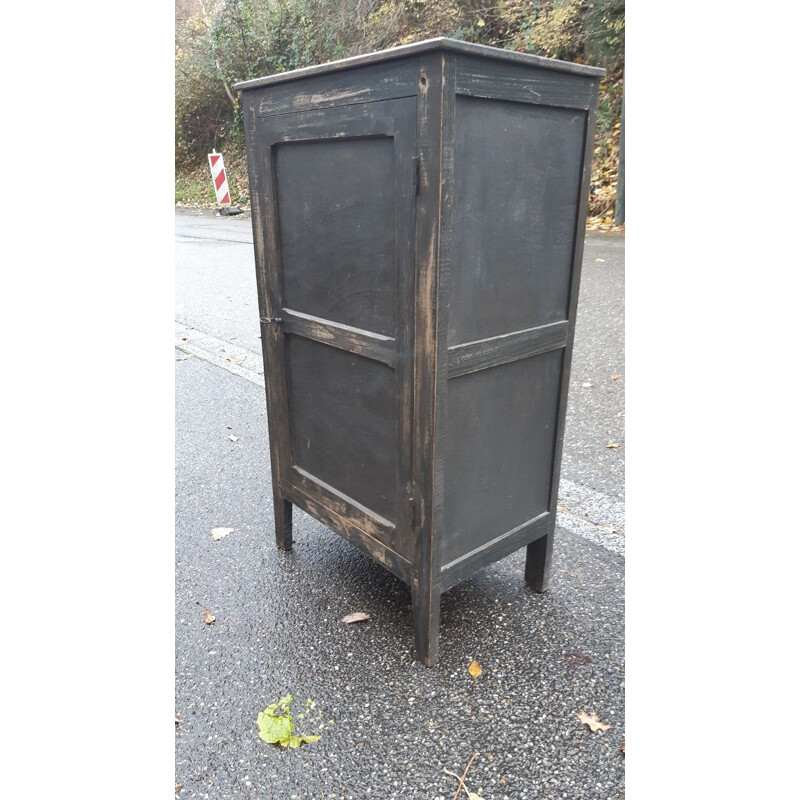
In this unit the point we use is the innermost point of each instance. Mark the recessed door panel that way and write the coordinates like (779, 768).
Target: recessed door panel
(338, 232)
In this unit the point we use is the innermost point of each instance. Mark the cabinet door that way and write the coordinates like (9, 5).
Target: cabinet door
(337, 229)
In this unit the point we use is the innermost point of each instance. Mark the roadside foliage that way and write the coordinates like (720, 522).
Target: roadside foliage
(221, 42)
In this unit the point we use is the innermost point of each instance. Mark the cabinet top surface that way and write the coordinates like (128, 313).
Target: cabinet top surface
(429, 45)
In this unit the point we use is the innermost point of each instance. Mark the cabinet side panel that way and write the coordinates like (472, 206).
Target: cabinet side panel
(500, 440)
(518, 171)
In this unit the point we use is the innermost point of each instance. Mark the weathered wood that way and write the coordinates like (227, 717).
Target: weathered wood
(515, 205)
(425, 606)
(497, 80)
(487, 553)
(418, 218)
(362, 517)
(538, 556)
(435, 94)
(578, 238)
(397, 79)
(283, 521)
(505, 348)
(343, 422)
(499, 434)
(349, 531)
(352, 340)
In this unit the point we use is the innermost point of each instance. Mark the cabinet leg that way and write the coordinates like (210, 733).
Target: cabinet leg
(283, 522)
(425, 603)
(537, 562)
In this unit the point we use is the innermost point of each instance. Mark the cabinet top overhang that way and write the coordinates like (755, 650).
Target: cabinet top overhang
(418, 48)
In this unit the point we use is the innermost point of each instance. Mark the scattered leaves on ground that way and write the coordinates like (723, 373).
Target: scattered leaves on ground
(562, 508)
(587, 385)
(475, 669)
(220, 533)
(615, 377)
(178, 787)
(356, 616)
(600, 260)
(593, 721)
(177, 719)
(276, 725)
(208, 617)
(622, 749)
(607, 527)
(233, 437)
(613, 446)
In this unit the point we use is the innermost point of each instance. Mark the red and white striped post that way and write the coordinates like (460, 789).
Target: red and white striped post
(218, 177)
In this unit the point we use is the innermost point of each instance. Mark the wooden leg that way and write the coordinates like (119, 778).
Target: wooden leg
(537, 562)
(425, 602)
(283, 522)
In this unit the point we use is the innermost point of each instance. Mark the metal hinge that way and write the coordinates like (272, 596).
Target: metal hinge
(271, 320)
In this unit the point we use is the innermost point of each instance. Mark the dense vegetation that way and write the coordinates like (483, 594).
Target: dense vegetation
(220, 42)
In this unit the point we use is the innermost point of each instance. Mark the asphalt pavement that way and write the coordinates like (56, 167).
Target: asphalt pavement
(391, 726)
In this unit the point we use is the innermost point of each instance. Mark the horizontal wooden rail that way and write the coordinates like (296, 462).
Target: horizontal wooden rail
(367, 530)
(344, 337)
(498, 548)
(484, 353)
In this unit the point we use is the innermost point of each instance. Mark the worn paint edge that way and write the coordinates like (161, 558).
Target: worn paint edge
(417, 48)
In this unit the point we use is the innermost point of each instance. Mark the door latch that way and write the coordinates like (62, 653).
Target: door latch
(271, 320)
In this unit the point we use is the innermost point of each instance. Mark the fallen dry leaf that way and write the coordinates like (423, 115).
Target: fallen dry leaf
(475, 669)
(593, 721)
(208, 617)
(587, 385)
(562, 508)
(183, 358)
(356, 616)
(178, 787)
(613, 446)
(615, 377)
(233, 438)
(623, 746)
(177, 719)
(609, 527)
(600, 260)
(220, 533)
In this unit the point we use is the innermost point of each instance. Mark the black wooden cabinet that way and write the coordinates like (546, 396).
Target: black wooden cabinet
(418, 220)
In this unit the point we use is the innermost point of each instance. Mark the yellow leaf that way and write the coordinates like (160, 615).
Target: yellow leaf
(475, 669)
(481, 23)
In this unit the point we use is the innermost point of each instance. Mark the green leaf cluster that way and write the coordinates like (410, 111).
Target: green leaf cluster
(276, 725)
